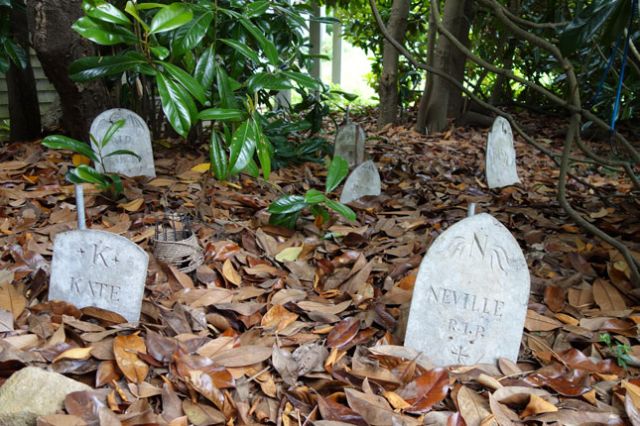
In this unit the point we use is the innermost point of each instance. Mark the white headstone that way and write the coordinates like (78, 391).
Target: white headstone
(98, 268)
(349, 143)
(363, 180)
(470, 298)
(133, 136)
(500, 164)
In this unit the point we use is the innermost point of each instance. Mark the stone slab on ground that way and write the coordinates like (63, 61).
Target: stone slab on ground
(33, 392)
(470, 297)
(98, 268)
(363, 180)
(500, 165)
(133, 136)
(350, 142)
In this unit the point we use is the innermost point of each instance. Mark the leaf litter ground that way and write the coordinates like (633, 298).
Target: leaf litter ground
(306, 327)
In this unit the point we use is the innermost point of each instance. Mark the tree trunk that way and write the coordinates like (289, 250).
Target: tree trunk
(24, 111)
(421, 121)
(446, 99)
(397, 26)
(57, 46)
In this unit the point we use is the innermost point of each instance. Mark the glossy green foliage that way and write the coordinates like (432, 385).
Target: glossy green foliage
(109, 182)
(286, 210)
(216, 62)
(10, 51)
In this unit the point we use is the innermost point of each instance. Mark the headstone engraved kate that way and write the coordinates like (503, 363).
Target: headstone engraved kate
(133, 136)
(500, 163)
(98, 268)
(470, 298)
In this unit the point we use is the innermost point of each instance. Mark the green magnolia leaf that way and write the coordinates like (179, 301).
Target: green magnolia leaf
(63, 142)
(242, 48)
(16, 53)
(190, 35)
(268, 81)
(186, 80)
(341, 209)
(218, 157)
(101, 34)
(338, 170)
(91, 175)
(583, 28)
(123, 152)
(287, 220)
(160, 52)
(303, 80)
(132, 9)
(252, 169)
(313, 196)
(116, 184)
(205, 68)
(263, 146)
(256, 8)
(221, 114)
(111, 131)
(108, 13)
(227, 99)
(92, 67)
(4, 65)
(269, 49)
(177, 105)
(171, 17)
(243, 146)
(287, 204)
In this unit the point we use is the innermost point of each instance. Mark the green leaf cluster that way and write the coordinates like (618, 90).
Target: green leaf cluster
(286, 210)
(110, 182)
(215, 62)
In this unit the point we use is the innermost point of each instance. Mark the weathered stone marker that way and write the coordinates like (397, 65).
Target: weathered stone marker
(98, 268)
(133, 136)
(470, 298)
(349, 143)
(363, 180)
(500, 166)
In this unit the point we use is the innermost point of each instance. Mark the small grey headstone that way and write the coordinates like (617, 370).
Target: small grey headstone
(133, 136)
(363, 180)
(470, 298)
(500, 163)
(98, 268)
(349, 143)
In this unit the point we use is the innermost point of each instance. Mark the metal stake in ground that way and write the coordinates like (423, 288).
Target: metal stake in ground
(82, 223)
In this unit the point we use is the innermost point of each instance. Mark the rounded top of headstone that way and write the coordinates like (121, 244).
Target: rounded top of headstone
(82, 235)
(105, 119)
(501, 125)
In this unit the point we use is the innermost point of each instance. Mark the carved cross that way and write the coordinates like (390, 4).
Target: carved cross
(460, 354)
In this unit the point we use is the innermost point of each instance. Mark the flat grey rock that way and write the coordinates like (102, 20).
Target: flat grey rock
(98, 268)
(349, 143)
(363, 180)
(133, 136)
(470, 298)
(500, 166)
(33, 392)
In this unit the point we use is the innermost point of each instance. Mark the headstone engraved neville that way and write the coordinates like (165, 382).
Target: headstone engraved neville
(98, 268)
(364, 180)
(349, 143)
(500, 163)
(133, 136)
(470, 298)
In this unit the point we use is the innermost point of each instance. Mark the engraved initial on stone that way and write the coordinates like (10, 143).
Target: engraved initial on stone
(479, 245)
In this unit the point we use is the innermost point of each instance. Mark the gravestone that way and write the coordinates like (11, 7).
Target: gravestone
(349, 143)
(133, 136)
(363, 180)
(470, 297)
(98, 268)
(500, 166)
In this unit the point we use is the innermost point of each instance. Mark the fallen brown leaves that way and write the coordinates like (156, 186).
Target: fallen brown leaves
(306, 327)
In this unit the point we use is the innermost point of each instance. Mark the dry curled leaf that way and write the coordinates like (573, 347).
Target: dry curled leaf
(126, 350)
